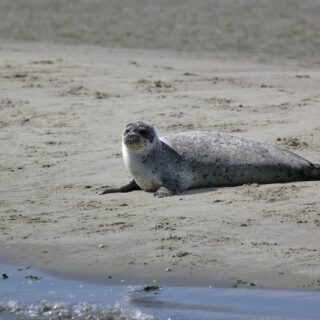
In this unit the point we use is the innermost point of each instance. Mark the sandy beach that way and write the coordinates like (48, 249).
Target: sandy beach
(63, 106)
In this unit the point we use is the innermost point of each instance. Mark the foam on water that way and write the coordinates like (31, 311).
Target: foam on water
(27, 293)
(58, 311)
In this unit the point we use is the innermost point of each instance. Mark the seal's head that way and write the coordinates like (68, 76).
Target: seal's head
(139, 137)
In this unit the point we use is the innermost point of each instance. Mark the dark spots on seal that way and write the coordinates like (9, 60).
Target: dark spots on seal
(205, 176)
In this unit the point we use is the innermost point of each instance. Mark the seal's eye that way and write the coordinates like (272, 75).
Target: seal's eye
(143, 132)
(126, 131)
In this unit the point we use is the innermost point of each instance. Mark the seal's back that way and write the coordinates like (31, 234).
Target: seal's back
(224, 159)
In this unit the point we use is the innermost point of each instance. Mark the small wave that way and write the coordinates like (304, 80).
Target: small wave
(63, 311)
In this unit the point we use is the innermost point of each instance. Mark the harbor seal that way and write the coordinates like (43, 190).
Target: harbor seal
(187, 160)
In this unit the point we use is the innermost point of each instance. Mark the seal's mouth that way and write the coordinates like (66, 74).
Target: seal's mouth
(133, 141)
(134, 145)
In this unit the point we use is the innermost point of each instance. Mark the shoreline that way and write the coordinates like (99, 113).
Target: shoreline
(97, 276)
(62, 112)
(27, 293)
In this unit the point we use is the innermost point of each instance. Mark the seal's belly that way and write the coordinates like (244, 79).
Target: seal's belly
(147, 183)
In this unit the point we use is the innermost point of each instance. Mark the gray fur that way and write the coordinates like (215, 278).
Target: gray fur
(187, 160)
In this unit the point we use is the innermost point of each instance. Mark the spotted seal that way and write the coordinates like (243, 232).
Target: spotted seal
(187, 160)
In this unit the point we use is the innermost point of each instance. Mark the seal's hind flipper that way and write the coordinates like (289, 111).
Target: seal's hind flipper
(312, 172)
(131, 186)
(316, 171)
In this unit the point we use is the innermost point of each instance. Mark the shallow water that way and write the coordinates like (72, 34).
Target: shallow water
(48, 297)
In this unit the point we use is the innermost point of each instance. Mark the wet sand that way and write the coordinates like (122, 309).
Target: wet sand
(262, 30)
(62, 111)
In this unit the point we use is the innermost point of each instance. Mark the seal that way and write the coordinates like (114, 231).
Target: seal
(187, 160)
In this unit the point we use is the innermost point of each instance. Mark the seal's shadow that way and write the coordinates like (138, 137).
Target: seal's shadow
(197, 191)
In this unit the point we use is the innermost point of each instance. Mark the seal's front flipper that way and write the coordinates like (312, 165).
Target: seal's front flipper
(164, 192)
(131, 186)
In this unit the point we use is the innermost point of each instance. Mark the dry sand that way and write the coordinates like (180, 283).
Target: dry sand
(62, 113)
(63, 108)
